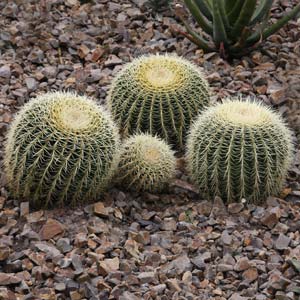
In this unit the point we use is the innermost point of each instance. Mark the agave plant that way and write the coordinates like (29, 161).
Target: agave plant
(236, 26)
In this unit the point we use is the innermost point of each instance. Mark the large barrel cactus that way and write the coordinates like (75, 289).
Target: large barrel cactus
(158, 94)
(146, 164)
(61, 148)
(239, 149)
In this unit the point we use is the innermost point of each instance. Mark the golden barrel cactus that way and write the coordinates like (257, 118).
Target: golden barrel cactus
(159, 95)
(146, 164)
(61, 148)
(239, 149)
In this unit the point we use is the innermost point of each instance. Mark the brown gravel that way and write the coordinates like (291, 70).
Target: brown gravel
(143, 246)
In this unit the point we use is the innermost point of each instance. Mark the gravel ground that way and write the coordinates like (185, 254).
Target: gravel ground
(141, 246)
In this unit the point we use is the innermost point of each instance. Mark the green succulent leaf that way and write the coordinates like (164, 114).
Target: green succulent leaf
(219, 31)
(229, 5)
(261, 11)
(234, 13)
(205, 7)
(244, 17)
(224, 16)
(199, 17)
(295, 263)
(254, 38)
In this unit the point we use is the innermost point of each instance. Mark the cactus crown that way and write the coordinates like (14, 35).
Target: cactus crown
(60, 148)
(239, 149)
(244, 113)
(159, 94)
(159, 72)
(146, 164)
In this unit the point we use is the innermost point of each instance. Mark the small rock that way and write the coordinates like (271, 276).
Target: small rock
(63, 244)
(128, 296)
(5, 72)
(173, 285)
(49, 249)
(282, 242)
(250, 275)
(50, 71)
(60, 287)
(77, 264)
(24, 209)
(35, 216)
(9, 278)
(242, 264)
(31, 83)
(100, 210)
(226, 239)
(224, 268)
(112, 60)
(214, 77)
(187, 277)
(108, 265)
(146, 277)
(235, 208)
(4, 253)
(236, 296)
(270, 219)
(159, 289)
(51, 229)
(75, 295)
(169, 224)
(181, 264)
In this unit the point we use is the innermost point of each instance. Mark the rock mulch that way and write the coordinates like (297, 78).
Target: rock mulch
(152, 247)
(143, 246)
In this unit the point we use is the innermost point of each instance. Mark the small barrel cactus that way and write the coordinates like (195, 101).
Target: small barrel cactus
(61, 149)
(160, 95)
(146, 164)
(239, 149)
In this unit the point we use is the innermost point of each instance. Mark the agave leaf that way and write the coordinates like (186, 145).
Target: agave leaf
(194, 37)
(224, 15)
(205, 8)
(234, 13)
(229, 4)
(296, 290)
(219, 31)
(273, 28)
(244, 17)
(261, 11)
(201, 20)
(295, 264)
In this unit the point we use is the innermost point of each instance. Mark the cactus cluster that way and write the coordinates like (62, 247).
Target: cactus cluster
(159, 95)
(146, 164)
(61, 148)
(239, 149)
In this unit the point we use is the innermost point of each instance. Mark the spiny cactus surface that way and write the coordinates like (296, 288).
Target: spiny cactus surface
(160, 95)
(146, 163)
(61, 148)
(239, 149)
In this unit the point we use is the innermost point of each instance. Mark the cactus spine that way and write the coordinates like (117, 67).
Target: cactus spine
(146, 163)
(160, 95)
(239, 149)
(61, 148)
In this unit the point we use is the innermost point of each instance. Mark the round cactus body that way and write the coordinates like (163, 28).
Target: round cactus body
(239, 149)
(146, 163)
(61, 148)
(160, 95)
